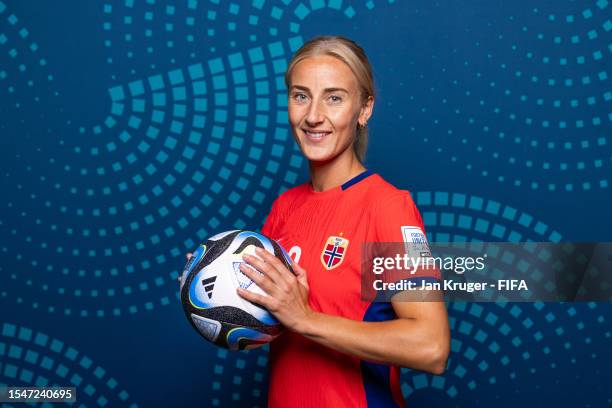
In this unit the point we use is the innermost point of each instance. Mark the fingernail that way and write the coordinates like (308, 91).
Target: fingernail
(258, 250)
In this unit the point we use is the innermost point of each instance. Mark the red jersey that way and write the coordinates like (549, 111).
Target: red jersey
(323, 232)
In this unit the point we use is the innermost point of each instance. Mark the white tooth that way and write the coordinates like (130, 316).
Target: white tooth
(321, 134)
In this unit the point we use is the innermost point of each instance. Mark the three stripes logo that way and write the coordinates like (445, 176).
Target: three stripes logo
(209, 285)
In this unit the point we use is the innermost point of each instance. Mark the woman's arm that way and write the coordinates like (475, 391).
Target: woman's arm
(419, 338)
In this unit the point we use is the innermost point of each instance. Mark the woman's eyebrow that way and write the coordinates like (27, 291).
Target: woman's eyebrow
(326, 90)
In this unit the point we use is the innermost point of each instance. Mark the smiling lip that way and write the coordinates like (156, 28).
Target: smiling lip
(315, 135)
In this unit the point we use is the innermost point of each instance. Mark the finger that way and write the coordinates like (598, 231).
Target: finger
(253, 297)
(260, 279)
(298, 269)
(284, 275)
(264, 267)
(189, 255)
(300, 273)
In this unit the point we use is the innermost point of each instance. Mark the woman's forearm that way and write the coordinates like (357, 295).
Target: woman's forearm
(406, 342)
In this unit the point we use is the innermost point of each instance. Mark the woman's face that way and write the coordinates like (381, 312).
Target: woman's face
(325, 106)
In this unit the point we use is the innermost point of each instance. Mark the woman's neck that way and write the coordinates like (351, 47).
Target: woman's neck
(327, 175)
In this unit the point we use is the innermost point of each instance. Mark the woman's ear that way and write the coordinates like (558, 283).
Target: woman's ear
(366, 111)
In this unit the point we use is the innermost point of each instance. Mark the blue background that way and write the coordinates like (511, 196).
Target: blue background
(133, 129)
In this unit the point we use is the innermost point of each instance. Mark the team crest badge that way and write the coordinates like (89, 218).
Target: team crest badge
(333, 252)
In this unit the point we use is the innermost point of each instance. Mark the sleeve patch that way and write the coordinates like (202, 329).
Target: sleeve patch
(415, 240)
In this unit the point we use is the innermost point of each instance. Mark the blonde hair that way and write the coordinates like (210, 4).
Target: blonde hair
(355, 58)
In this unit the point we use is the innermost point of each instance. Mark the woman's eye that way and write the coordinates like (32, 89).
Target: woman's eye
(299, 97)
(335, 98)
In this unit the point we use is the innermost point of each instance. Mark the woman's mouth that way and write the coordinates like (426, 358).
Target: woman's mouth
(315, 135)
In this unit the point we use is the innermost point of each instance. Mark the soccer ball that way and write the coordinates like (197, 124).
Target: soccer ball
(208, 291)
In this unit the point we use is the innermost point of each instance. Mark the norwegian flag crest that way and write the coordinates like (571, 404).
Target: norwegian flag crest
(333, 252)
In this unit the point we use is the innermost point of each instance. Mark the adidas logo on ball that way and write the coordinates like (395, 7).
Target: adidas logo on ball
(209, 285)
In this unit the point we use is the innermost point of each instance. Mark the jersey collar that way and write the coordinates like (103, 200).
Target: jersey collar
(356, 179)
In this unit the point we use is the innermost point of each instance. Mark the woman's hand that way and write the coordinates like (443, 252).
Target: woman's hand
(188, 255)
(286, 294)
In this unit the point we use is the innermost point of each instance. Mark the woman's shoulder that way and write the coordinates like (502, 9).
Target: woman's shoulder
(381, 191)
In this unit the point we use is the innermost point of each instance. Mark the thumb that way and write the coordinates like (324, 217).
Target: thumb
(300, 273)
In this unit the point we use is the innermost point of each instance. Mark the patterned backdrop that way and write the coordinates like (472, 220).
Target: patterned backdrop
(133, 129)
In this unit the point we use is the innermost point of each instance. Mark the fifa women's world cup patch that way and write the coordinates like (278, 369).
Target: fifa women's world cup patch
(334, 252)
(415, 241)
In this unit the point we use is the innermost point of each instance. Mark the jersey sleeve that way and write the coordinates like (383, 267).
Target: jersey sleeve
(397, 218)
(399, 221)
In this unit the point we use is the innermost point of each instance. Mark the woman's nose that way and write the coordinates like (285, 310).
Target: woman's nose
(315, 114)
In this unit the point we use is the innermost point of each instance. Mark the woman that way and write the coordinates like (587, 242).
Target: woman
(339, 351)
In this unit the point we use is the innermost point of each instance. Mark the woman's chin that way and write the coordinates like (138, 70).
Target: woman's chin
(317, 155)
